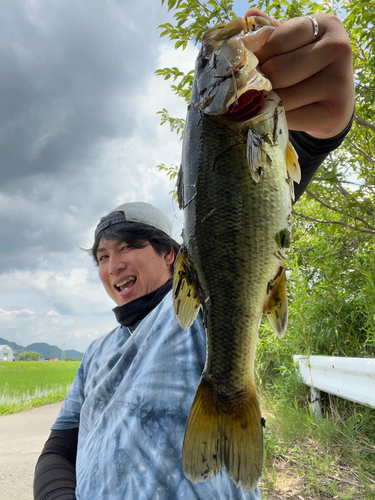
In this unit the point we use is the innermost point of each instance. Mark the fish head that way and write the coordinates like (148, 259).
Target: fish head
(226, 66)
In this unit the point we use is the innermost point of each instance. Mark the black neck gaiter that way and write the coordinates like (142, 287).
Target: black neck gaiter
(137, 309)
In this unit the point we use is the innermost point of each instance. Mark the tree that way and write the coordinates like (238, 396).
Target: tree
(28, 356)
(332, 285)
(345, 186)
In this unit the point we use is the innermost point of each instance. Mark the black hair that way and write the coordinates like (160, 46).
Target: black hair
(136, 235)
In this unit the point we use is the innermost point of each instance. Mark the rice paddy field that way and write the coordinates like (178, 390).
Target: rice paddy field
(29, 384)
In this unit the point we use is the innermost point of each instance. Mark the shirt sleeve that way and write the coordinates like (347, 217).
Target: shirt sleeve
(55, 476)
(312, 152)
(69, 415)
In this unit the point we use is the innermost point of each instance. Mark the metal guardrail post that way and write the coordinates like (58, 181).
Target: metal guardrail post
(315, 403)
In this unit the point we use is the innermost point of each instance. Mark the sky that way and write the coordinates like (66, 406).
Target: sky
(79, 136)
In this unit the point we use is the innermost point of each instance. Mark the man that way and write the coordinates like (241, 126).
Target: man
(119, 434)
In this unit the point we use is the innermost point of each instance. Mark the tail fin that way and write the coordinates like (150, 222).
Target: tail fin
(219, 435)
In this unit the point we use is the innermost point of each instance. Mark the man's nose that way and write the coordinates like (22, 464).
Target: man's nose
(116, 264)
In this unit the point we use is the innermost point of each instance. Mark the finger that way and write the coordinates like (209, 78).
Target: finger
(310, 119)
(294, 56)
(256, 12)
(334, 82)
(317, 119)
(320, 87)
(321, 106)
(288, 69)
(290, 36)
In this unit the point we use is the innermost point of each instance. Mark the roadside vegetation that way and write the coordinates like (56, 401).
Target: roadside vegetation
(305, 458)
(331, 276)
(26, 385)
(331, 459)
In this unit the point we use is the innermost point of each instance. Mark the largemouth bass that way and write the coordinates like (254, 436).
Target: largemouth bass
(236, 188)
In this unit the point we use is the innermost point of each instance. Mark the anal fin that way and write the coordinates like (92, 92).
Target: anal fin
(186, 301)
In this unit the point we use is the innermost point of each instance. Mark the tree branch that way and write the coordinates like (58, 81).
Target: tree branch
(355, 217)
(363, 122)
(204, 7)
(367, 156)
(362, 187)
(337, 181)
(334, 222)
(366, 89)
(225, 10)
(322, 202)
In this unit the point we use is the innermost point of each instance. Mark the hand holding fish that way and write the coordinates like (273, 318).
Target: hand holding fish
(313, 77)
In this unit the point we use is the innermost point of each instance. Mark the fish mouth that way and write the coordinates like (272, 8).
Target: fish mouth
(247, 106)
(126, 284)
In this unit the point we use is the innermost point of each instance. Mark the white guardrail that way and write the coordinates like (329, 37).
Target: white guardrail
(349, 378)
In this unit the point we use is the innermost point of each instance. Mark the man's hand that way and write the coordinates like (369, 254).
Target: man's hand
(314, 78)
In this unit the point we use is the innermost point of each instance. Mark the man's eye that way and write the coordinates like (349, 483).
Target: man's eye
(125, 248)
(102, 258)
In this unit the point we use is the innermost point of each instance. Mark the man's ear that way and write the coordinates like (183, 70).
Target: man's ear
(169, 257)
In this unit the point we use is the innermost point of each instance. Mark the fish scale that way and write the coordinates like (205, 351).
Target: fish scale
(225, 276)
(235, 190)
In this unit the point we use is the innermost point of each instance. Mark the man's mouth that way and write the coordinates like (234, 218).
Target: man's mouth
(126, 284)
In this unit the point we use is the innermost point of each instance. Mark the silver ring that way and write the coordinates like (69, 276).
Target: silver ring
(315, 26)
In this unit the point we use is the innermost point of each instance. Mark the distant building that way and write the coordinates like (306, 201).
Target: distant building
(52, 359)
(6, 353)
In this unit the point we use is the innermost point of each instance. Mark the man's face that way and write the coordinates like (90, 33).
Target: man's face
(128, 273)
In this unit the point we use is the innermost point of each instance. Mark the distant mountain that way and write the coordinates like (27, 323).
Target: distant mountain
(15, 347)
(45, 350)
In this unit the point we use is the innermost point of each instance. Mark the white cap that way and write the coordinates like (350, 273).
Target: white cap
(136, 212)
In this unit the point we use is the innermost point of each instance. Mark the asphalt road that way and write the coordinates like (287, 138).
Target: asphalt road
(22, 437)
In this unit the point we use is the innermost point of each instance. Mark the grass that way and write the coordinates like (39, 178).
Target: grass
(29, 384)
(305, 460)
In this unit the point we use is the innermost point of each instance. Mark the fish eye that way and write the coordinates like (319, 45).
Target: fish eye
(203, 62)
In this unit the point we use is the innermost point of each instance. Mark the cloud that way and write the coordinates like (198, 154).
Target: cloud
(69, 70)
(24, 313)
(79, 135)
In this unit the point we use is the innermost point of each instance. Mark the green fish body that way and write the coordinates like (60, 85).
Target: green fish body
(235, 187)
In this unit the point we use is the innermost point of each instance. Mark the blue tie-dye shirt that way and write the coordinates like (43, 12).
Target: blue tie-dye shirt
(130, 399)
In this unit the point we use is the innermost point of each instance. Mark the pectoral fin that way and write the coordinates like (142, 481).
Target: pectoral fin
(256, 154)
(276, 307)
(293, 168)
(292, 165)
(186, 299)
